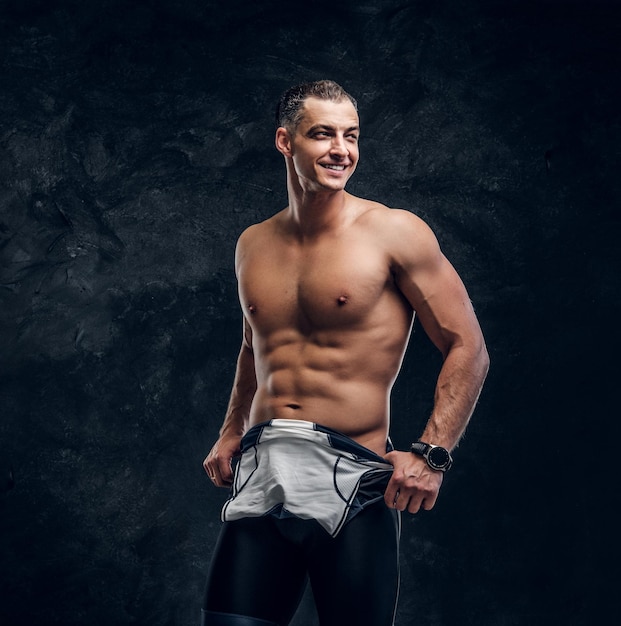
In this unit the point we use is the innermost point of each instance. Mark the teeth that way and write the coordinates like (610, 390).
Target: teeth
(335, 167)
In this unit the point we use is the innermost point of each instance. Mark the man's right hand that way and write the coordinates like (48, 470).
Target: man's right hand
(218, 463)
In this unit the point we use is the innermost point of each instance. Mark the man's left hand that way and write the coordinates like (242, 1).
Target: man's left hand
(414, 485)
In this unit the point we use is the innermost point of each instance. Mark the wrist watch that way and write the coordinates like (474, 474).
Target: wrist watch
(437, 457)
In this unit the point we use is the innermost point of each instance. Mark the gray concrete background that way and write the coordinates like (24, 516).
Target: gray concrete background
(136, 143)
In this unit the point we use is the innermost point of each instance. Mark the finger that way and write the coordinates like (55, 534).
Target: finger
(429, 502)
(388, 457)
(224, 472)
(395, 501)
(407, 500)
(390, 495)
(211, 470)
(212, 474)
(414, 506)
(402, 501)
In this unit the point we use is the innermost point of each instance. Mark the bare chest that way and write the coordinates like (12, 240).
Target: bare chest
(320, 288)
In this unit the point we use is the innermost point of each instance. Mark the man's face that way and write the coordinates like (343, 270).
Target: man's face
(324, 147)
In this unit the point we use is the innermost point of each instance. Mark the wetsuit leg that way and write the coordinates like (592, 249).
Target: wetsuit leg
(355, 576)
(255, 572)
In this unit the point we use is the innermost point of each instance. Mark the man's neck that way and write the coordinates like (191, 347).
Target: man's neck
(317, 211)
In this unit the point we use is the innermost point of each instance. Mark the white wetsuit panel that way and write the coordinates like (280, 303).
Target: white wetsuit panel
(298, 468)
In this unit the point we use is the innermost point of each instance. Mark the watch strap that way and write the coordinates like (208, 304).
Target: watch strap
(419, 447)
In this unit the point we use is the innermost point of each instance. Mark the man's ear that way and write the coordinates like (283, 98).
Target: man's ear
(283, 141)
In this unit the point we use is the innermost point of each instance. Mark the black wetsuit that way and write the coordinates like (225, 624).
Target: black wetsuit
(261, 564)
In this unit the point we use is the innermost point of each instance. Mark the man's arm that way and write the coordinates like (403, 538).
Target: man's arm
(218, 462)
(437, 294)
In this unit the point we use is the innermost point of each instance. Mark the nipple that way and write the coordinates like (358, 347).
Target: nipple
(342, 300)
(252, 309)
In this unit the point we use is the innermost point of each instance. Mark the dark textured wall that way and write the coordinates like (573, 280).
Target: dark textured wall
(136, 144)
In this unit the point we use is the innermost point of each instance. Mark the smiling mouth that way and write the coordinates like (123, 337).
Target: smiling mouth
(330, 166)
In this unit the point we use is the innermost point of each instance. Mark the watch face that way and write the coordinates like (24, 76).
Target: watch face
(439, 457)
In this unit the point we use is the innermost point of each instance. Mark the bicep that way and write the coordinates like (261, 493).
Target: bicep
(443, 307)
(437, 294)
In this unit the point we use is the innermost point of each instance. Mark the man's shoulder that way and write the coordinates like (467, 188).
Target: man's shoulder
(406, 237)
(260, 229)
(386, 219)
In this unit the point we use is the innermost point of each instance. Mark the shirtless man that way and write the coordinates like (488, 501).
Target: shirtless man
(329, 287)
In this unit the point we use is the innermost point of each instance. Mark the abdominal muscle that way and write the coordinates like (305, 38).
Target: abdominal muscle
(343, 385)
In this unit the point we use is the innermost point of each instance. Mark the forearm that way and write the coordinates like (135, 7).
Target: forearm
(458, 388)
(242, 394)
(218, 463)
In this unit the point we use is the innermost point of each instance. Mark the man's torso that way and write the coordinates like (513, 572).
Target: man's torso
(329, 325)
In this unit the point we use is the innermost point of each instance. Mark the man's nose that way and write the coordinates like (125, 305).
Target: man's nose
(339, 146)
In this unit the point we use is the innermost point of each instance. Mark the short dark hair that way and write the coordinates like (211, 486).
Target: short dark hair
(289, 109)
